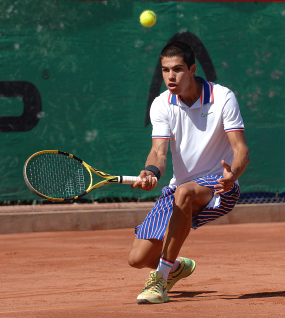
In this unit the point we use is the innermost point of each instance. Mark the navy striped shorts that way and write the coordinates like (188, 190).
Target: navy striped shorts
(155, 223)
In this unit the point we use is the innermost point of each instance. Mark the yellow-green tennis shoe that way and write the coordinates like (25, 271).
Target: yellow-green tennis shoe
(185, 269)
(155, 290)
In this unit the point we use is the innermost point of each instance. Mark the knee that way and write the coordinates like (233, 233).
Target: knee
(184, 196)
(135, 262)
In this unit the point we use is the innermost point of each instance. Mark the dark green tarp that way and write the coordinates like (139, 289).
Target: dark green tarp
(79, 76)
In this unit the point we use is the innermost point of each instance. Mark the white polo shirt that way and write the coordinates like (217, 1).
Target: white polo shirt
(198, 139)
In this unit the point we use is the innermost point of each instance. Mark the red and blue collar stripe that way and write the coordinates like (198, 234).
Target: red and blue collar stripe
(207, 94)
(173, 99)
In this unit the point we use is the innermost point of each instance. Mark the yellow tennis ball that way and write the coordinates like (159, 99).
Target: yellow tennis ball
(148, 18)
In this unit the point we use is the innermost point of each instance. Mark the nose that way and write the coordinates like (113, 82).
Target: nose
(171, 75)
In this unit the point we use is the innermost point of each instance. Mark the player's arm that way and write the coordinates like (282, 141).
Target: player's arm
(156, 159)
(240, 161)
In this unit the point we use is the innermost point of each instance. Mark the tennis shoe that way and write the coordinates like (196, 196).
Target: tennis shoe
(154, 291)
(185, 269)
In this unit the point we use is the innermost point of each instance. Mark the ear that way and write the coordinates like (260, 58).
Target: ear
(193, 69)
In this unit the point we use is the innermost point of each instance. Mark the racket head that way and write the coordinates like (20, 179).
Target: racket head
(57, 176)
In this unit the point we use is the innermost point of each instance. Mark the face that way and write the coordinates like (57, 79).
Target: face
(177, 77)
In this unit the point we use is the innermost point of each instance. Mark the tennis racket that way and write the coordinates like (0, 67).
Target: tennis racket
(60, 176)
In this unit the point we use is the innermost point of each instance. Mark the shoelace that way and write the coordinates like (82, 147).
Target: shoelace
(149, 281)
(153, 283)
(159, 287)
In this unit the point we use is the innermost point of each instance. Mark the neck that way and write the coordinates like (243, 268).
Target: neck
(193, 93)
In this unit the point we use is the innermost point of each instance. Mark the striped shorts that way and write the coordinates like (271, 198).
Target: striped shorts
(155, 223)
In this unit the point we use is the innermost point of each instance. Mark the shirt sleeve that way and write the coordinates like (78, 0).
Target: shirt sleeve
(159, 120)
(231, 114)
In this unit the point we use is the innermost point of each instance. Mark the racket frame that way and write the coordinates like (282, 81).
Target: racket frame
(108, 178)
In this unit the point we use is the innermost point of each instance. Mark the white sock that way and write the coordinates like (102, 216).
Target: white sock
(164, 267)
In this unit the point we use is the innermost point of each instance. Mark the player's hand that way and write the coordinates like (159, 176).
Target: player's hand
(228, 180)
(147, 181)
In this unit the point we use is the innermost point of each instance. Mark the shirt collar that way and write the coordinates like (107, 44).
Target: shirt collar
(207, 94)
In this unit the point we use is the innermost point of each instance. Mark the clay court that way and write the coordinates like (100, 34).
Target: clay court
(239, 273)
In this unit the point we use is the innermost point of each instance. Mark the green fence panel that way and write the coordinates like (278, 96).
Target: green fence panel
(79, 76)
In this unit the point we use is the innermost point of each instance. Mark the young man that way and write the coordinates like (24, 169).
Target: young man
(209, 152)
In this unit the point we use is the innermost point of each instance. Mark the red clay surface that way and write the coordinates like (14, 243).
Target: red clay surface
(240, 273)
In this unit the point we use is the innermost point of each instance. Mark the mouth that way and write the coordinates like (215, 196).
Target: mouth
(171, 86)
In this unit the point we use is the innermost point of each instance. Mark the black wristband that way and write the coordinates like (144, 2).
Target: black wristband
(154, 170)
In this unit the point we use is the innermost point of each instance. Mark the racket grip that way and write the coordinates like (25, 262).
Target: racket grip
(129, 179)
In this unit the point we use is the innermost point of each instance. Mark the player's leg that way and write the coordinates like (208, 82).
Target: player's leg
(219, 205)
(145, 253)
(147, 245)
(189, 198)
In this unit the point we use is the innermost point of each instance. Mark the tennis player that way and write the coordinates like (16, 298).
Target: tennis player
(202, 120)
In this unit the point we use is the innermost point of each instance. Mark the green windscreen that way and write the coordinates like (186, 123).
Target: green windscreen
(79, 76)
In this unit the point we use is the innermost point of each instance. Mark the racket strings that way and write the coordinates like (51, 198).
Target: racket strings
(57, 176)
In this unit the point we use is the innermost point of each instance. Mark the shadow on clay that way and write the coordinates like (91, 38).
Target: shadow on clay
(255, 295)
(262, 295)
(176, 295)
(186, 294)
